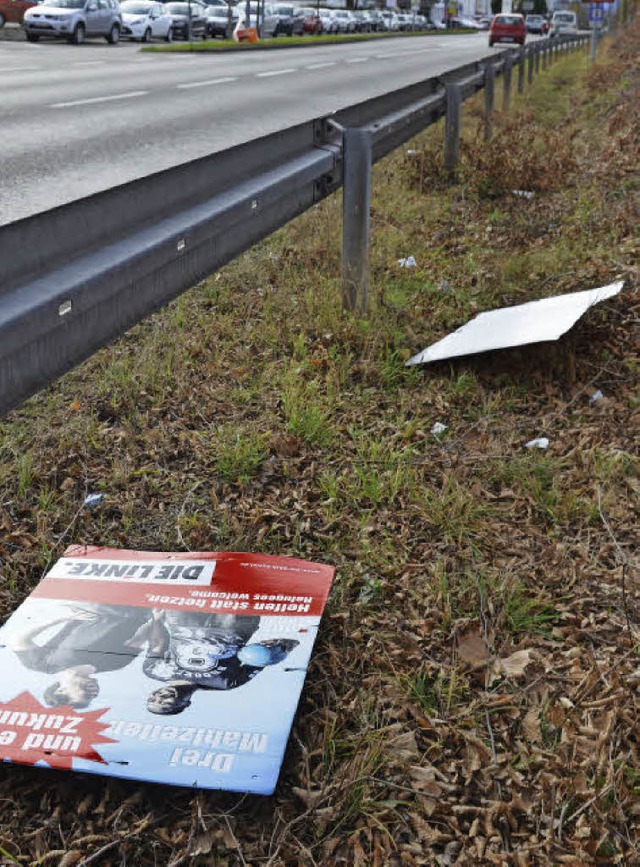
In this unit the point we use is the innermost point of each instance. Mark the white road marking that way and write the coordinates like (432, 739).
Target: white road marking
(275, 72)
(204, 83)
(321, 65)
(89, 63)
(358, 60)
(131, 95)
(19, 68)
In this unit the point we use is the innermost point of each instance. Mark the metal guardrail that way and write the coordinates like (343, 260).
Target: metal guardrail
(76, 277)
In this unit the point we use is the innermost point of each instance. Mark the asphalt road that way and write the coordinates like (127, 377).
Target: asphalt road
(78, 119)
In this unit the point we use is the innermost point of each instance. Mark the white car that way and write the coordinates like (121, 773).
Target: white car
(563, 23)
(145, 20)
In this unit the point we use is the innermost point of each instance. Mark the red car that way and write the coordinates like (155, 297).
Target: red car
(13, 10)
(507, 28)
(312, 21)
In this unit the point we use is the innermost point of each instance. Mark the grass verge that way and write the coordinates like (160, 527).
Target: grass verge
(473, 694)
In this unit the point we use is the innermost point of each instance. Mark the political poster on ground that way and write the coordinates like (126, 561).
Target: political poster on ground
(182, 668)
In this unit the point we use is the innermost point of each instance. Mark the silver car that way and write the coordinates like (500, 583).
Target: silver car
(73, 20)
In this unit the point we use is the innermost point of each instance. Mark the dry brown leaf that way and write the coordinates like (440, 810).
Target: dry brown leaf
(70, 858)
(531, 725)
(473, 649)
(510, 666)
(404, 746)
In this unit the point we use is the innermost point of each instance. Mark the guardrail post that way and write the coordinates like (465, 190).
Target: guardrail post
(506, 83)
(536, 57)
(452, 129)
(544, 56)
(356, 199)
(489, 98)
(521, 62)
(530, 69)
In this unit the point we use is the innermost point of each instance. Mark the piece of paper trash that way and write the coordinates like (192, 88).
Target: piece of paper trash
(409, 262)
(523, 194)
(533, 322)
(595, 397)
(438, 428)
(93, 500)
(538, 443)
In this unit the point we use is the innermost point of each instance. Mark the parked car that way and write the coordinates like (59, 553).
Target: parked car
(217, 16)
(12, 11)
(346, 24)
(145, 20)
(377, 21)
(329, 23)
(390, 20)
(507, 28)
(179, 13)
(73, 20)
(536, 24)
(263, 18)
(484, 22)
(311, 21)
(291, 20)
(363, 24)
(563, 23)
(465, 23)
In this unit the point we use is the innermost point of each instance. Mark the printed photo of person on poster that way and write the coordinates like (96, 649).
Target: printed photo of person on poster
(90, 639)
(190, 651)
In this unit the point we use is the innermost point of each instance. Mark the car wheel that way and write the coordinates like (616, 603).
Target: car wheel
(2, 20)
(114, 35)
(147, 35)
(169, 36)
(32, 37)
(491, 43)
(77, 37)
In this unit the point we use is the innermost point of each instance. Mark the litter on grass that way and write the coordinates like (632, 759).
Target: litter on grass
(409, 262)
(538, 443)
(533, 322)
(93, 500)
(523, 194)
(181, 668)
(595, 397)
(438, 428)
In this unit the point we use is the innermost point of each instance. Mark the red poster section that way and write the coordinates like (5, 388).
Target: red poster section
(214, 582)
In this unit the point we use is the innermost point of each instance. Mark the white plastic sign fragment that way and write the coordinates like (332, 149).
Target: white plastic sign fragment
(534, 322)
(538, 443)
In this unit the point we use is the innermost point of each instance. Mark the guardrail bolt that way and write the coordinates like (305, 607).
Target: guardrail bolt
(356, 201)
(489, 94)
(452, 130)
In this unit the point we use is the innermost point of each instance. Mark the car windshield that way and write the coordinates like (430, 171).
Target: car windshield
(284, 10)
(507, 19)
(178, 8)
(134, 8)
(567, 18)
(64, 4)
